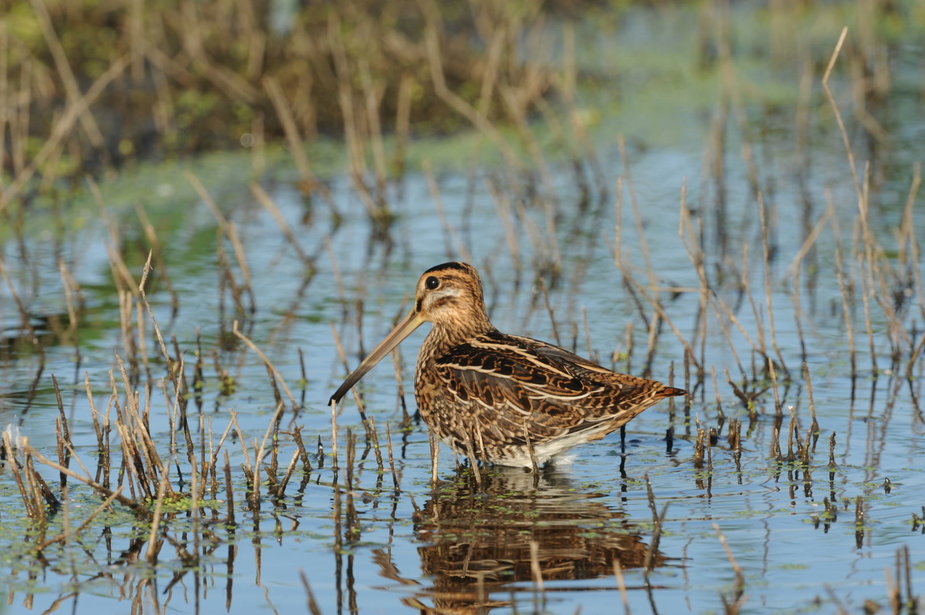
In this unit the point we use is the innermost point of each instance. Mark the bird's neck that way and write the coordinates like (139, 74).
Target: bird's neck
(442, 338)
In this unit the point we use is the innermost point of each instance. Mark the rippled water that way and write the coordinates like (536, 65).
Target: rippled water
(458, 545)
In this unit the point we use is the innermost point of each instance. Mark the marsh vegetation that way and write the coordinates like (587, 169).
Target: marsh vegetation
(212, 210)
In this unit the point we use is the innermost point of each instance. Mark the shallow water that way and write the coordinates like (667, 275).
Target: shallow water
(458, 545)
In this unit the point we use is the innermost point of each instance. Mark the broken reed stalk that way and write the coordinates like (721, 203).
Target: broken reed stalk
(228, 229)
(473, 461)
(814, 427)
(32, 504)
(62, 432)
(739, 596)
(843, 287)
(766, 260)
(157, 250)
(156, 520)
(71, 288)
(102, 433)
(388, 439)
(290, 470)
(699, 447)
(142, 451)
(296, 146)
(270, 205)
(778, 410)
(135, 506)
(455, 247)
(621, 585)
(662, 314)
(657, 520)
(24, 318)
(333, 438)
(637, 219)
(269, 365)
(62, 128)
(67, 535)
(273, 427)
(537, 572)
(309, 595)
(859, 515)
(376, 449)
(434, 455)
(229, 493)
(352, 532)
(300, 445)
(144, 298)
(435, 60)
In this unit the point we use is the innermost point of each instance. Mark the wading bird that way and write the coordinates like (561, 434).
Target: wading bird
(501, 398)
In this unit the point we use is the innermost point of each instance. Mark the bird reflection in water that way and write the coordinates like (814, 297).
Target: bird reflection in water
(476, 540)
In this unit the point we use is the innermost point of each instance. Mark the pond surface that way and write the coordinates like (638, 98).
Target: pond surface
(641, 256)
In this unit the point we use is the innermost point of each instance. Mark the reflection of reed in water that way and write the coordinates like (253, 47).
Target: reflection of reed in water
(477, 539)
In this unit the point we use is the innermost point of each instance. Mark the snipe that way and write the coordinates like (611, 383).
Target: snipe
(504, 399)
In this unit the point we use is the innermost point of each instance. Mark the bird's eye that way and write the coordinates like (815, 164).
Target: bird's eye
(431, 282)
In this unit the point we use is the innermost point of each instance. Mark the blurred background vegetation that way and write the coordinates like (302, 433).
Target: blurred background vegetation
(87, 86)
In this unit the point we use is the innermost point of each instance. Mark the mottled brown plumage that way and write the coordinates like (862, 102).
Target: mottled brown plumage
(502, 398)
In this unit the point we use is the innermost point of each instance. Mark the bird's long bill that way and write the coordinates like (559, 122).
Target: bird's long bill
(402, 330)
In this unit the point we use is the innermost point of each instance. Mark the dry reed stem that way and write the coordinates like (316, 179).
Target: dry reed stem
(837, 113)
(157, 249)
(434, 455)
(657, 520)
(812, 404)
(144, 298)
(766, 260)
(621, 585)
(660, 311)
(156, 520)
(290, 470)
(237, 427)
(535, 568)
(258, 459)
(33, 507)
(135, 427)
(443, 92)
(778, 409)
(843, 287)
(24, 318)
(229, 492)
(267, 363)
(515, 104)
(270, 205)
(455, 248)
(68, 534)
(71, 288)
(473, 461)
(396, 480)
(130, 503)
(51, 146)
(739, 587)
(371, 431)
(309, 595)
(505, 212)
(373, 92)
(334, 436)
(808, 243)
(296, 146)
(637, 215)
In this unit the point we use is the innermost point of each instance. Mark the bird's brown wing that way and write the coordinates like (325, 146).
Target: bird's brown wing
(521, 385)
